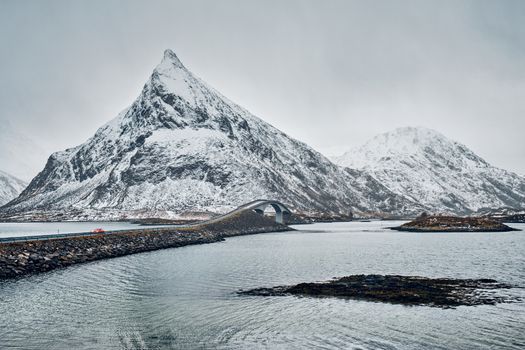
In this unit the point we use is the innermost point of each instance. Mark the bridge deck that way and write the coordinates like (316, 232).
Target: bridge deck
(245, 207)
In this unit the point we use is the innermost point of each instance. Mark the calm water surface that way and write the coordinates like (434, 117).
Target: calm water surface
(186, 297)
(8, 229)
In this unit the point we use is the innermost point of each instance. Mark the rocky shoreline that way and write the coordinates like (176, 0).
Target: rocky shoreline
(406, 290)
(30, 257)
(437, 223)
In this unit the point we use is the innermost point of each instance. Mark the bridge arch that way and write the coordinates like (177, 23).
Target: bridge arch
(281, 210)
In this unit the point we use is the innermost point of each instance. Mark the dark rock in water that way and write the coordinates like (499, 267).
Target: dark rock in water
(407, 290)
(453, 224)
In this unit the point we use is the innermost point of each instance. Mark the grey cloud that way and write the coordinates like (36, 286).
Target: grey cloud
(330, 73)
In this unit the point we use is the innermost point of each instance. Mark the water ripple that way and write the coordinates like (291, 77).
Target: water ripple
(186, 298)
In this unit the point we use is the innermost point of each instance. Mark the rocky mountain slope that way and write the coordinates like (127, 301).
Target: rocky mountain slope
(182, 146)
(439, 173)
(10, 187)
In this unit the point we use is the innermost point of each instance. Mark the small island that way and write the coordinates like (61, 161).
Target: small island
(394, 289)
(439, 223)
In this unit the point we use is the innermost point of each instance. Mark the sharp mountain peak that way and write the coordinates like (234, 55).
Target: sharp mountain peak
(170, 57)
(182, 145)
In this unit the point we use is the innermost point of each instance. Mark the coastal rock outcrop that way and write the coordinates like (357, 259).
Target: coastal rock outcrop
(407, 290)
(453, 224)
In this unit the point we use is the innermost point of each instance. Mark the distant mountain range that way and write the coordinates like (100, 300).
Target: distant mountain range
(440, 174)
(10, 187)
(183, 147)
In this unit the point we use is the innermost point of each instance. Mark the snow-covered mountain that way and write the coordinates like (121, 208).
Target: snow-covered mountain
(182, 146)
(10, 187)
(436, 172)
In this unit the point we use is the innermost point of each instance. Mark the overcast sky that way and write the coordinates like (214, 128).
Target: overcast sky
(329, 73)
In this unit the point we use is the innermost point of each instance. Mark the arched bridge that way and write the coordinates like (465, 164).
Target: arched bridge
(260, 205)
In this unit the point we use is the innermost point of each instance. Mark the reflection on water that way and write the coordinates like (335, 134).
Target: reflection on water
(186, 297)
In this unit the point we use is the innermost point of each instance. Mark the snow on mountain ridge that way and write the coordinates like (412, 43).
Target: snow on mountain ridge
(439, 173)
(10, 187)
(182, 146)
(405, 142)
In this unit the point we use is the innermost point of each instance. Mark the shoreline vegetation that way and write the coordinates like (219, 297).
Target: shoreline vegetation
(438, 223)
(190, 218)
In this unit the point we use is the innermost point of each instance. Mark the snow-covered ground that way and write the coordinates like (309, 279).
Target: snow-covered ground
(10, 187)
(437, 172)
(182, 146)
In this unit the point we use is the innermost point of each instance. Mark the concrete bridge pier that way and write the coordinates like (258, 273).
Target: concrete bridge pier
(279, 208)
(279, 217)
